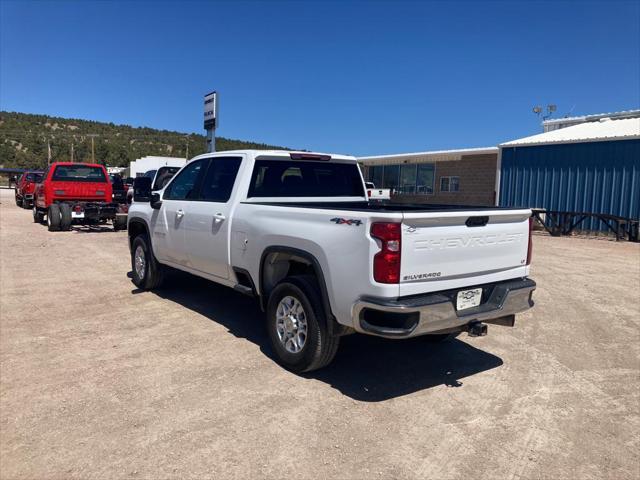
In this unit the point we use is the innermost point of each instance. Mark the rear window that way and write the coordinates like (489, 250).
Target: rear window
(277, 178)
(78, 173)
(33, 177)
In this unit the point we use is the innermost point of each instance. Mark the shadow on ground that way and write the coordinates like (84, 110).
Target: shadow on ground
(366, 368)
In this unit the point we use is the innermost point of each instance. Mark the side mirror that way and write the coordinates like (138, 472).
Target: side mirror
(155, 201)
(142, 189)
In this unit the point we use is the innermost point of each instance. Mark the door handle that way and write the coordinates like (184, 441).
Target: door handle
(179, 213)
(219, 217)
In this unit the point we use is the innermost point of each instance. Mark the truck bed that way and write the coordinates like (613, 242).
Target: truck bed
(385, 207)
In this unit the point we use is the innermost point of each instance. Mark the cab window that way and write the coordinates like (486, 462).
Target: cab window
(185, 183)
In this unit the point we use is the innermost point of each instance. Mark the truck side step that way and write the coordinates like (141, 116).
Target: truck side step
(244, 290)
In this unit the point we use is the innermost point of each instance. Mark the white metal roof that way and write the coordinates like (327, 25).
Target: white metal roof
(417, 157)
(592, 117)
(605, 129)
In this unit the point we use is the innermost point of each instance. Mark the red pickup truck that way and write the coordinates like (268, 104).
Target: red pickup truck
(25, 187)
(76, 193)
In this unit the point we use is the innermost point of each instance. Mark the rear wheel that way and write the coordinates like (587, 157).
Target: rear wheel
(147, 272)
(65, 216)
(297, 325)
(18, 202)
(37, 215)
(53, 218)
(120, 223)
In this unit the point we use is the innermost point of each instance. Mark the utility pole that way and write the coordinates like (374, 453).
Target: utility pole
(48, 153)
(187, 154)
(71, 152)
(93, 153)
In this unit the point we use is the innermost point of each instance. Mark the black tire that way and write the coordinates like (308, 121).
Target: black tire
(37, 215)
(152, 274)
(120, 223)
(53, 218)
(320, 346)
(65, 217)
(440, 337)
(18, 201)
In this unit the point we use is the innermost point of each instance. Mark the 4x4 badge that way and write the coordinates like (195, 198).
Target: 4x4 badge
(344, 221)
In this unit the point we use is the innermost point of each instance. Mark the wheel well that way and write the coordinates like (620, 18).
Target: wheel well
(135, 229)
(280, 262)
(277, 265)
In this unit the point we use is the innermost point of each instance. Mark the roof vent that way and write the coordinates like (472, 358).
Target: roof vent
(605, 119)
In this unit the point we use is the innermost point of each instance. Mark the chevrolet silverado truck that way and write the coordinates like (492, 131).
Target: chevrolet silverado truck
(25, 186)
(295, 230)
(78, 193)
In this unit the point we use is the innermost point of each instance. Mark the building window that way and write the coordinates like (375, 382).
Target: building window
(425, 179)
(407, 179)
(375, 175)
(449, 184)
(391, 176)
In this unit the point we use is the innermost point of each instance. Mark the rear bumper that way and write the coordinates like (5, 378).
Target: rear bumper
(436, 312)
(93, 210)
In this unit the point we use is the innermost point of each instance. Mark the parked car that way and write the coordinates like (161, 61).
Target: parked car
(296, 231)
(374, 193)
(159, 179)
(78, 193)
(24, 188)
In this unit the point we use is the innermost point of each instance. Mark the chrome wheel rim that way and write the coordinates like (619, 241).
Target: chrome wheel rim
(139, 262)
(291, 324)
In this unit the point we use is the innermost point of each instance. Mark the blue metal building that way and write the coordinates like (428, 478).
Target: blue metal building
(590, 167)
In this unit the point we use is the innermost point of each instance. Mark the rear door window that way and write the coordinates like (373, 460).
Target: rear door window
(219, 179)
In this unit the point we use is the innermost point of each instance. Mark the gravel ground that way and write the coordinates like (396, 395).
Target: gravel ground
(98, 379)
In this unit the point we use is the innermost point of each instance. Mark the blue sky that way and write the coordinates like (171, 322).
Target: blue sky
(363, 78)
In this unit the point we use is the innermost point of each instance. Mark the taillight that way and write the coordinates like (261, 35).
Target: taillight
(368, 193)
(386, 263)
(530, 247)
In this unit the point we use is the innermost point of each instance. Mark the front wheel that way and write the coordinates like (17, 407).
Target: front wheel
(147, 272)
(297, 325)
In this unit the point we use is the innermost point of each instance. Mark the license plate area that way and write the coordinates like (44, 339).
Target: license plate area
(468, 298)
(75, 214)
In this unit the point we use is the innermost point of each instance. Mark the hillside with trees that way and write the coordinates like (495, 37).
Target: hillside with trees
(24, 138)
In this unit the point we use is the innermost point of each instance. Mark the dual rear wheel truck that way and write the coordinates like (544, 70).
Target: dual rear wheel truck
(76, 193)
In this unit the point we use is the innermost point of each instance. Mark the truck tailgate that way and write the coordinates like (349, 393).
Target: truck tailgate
(444, 250)
(91, 191)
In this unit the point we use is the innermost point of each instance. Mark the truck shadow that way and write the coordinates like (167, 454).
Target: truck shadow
(366, 368)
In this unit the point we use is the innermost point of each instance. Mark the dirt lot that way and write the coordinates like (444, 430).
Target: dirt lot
(100, 380)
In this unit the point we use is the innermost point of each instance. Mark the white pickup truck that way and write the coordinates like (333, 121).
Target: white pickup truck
(295, 231)
(374, 193)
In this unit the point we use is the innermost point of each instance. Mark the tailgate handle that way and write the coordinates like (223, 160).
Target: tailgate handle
(477, 221)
